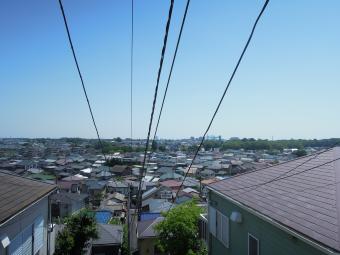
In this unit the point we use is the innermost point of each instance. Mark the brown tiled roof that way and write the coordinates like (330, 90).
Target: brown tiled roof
(171, 183)
(119, 168)
(306, 201)
(16, 193)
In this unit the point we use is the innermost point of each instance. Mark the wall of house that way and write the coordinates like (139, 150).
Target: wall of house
(23, 220)
(147, 246)
(272, 240)
(105, 250)
(77, 205)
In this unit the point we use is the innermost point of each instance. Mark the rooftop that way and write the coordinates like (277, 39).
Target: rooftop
(305, 196)
(17, 193)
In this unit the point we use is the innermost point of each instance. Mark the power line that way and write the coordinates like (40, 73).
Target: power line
(81, 77)
(131, 123)
(139, 198)
(131, 73)
(224, 93)
(172, 66)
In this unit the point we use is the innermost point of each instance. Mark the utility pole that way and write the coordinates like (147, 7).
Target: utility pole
(129, 218)
(200, 180)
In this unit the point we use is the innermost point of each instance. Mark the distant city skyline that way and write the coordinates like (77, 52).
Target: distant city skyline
(287, 85)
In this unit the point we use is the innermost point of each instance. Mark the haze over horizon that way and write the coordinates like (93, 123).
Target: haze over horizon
(287, 86)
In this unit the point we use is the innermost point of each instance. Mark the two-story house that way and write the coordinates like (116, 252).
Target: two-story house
(292, 208)
(24, 215)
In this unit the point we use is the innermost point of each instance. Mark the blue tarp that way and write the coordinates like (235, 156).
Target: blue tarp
(103, 216)
(149, 216)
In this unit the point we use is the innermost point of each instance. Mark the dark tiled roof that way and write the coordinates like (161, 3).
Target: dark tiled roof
(307, 201)
(119, 168)
(67, 197)
(109, 234)
(16, 193)
(146, 228)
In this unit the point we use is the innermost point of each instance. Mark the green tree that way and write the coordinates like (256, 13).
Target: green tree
(125, 245)
(300, 153)
(64, 243)
(78, 231)
(154, 145)
(178, 232)
(162, 148)
(118, 139)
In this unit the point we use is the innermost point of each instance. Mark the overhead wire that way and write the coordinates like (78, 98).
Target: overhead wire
(154, 103)
(82, 81)
(169, 77)
(171, 68)
(129, 217)
(131, 73)
(223, 95)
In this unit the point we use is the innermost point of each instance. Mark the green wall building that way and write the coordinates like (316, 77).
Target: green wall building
(287, 209)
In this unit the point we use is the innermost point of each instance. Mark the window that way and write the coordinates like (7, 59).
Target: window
(22, 243)
(253, 245)
(166, 194)
(219, 226)
(15, 248)
(212, 220)
(38, 240)
(203, 232)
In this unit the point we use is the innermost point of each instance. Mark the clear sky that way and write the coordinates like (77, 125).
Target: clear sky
(288, 85)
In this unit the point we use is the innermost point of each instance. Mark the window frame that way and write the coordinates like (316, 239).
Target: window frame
(257, 241)
(216, 227)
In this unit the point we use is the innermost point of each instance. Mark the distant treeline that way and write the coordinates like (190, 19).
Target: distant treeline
(258, 144)
(108, 147)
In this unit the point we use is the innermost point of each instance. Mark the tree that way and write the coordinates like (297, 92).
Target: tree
(162, 148)
(300, 153)
(118, 139)
(64, 243)
(178, 232)
(154, 145)
(125, 245)
(78, 231)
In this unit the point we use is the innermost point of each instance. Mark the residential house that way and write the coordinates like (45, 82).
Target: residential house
(117, 186)
(170, 176)
(289, 208)
(162, 192)
(64, 204)
(172, 184)
(206, 174)
(110, 240)
(24, 215)
(115, 203)
(95, 189)
(104, 175)
(71, 183)
(156, 205)
(147, 237)
(121, 170)
(164, 170)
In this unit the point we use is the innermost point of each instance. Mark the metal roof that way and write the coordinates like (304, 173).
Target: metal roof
(17, 193)
(305, 197)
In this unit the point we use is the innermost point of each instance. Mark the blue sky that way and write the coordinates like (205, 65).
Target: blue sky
(286, 87)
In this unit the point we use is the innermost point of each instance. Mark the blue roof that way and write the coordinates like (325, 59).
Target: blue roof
(149, 216)
(103, 216)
